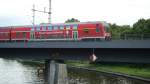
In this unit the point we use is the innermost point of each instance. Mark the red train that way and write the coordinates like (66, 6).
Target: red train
(64, 31)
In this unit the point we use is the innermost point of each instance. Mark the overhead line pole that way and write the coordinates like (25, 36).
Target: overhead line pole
(33, 15)
(49, 19)
(41, 11)
(49, 13)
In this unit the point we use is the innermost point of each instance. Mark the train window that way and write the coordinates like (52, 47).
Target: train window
(5, 34)
(61, 27)
(43, 36)
(58, 27)
(75, 27)
(24, 34)
(97, 28)
(17, 34)
(106, 27)
(68, 27)
(49, 27)
(0, 33)
(44, 28)
(38, 28)
(86, 30)
(55, 27)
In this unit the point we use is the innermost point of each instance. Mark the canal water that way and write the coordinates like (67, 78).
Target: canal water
(84, 76)
(15, 72)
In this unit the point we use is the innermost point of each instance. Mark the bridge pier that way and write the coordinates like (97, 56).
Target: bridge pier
(55, 73)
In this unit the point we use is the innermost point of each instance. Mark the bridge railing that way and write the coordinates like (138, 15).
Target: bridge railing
(131, 37)
(114, 37)
(69, 38)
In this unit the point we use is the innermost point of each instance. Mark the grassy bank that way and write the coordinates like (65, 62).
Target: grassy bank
(140, 70)
(32, 62)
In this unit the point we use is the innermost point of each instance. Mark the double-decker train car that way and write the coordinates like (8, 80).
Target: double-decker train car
(4, 34)
(72, 31)
(63, 31)
(15, 33)
(20, 33)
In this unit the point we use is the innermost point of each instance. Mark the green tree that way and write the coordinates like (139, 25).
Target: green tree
(139, 26)
(72, 20)
(142, 26)
(118, 31)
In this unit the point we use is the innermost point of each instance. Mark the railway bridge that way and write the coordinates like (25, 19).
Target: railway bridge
(107, 51)
(130, 51)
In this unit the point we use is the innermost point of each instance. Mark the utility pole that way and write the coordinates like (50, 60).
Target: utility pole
(49, 19)
(33, 23)
(49, 13)
(33, 15)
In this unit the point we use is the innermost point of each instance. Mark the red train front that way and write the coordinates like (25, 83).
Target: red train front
(64, 31)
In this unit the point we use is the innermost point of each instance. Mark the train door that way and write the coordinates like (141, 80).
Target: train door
(31, 35)
(75, 35)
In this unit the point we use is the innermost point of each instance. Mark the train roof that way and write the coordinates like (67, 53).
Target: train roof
(74, 23)
(17, 26)
(55, 24)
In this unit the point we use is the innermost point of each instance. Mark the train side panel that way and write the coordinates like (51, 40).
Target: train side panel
(72, 31)
(20, 33)
(49, 32)
(88, 31)
(5, 34)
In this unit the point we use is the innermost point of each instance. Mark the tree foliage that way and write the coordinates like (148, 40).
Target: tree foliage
(72, 20)
(142, 26)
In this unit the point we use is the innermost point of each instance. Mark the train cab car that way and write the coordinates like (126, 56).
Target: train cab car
(4, 34)
(72, 31)
(20, 33)
(92, 30)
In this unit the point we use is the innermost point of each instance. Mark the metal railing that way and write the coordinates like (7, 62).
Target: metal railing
(69, 38)
(131, 37)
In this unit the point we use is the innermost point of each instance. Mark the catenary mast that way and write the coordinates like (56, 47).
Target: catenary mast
(49, 19)
(49, 13)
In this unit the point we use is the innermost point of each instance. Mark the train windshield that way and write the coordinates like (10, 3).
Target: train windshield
(106, 27)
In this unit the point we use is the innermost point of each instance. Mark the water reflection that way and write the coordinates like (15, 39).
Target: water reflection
(79, 76)
(14, 72)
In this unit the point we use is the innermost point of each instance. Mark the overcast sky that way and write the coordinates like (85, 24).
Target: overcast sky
(121, 12)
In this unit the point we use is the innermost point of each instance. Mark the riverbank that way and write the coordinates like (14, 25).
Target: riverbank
(136, 70)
